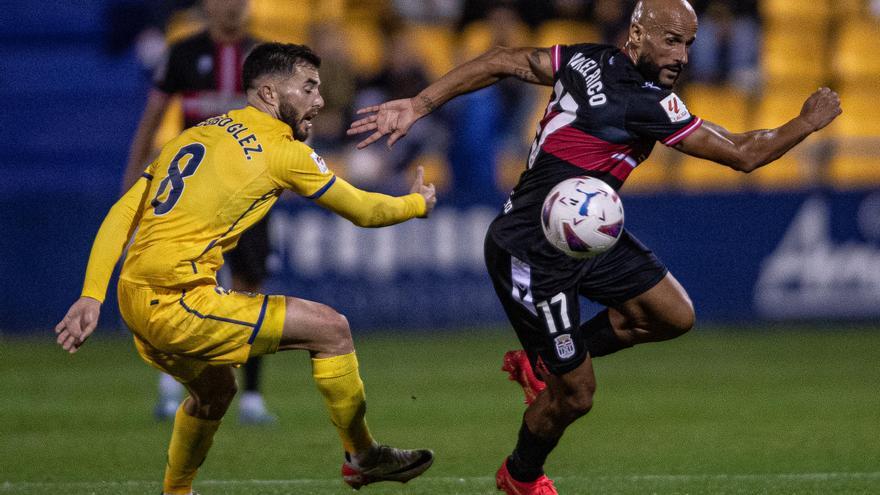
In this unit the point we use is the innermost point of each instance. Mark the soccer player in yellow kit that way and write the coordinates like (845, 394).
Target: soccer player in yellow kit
(206, 187)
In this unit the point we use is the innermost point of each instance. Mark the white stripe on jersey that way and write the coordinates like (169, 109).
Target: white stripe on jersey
(556, 54)
(566, 116)
(521, 276)
(626, 158)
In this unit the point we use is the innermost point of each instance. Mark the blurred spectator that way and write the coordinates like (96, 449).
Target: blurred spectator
(532, 12)
(612, 19)
(727, 49)
(402, 75)
(142, 24)
(338, 83)
(489, 122)
(578, 10)
(428, 11)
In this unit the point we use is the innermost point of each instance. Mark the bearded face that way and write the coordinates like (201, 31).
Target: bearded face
(665, 76)
(300, 100)
(299, 123)
(661, 34)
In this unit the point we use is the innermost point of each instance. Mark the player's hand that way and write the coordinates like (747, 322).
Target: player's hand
(821, 108)
(393, 117)
(425, 190)
(79, 322)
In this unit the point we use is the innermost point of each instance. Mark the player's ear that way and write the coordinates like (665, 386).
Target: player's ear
(267, 92)
(636, 33)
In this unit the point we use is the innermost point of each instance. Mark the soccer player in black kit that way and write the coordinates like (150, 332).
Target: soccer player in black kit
(608, 108)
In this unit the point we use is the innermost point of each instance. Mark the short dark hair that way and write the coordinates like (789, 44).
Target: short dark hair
(276, 58)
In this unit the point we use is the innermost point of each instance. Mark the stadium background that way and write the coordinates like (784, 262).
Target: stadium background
(797, 241)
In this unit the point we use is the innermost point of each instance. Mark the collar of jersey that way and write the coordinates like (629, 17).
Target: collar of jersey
(263, 118)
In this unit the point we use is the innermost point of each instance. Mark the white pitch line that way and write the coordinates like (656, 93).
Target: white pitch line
(479, 479)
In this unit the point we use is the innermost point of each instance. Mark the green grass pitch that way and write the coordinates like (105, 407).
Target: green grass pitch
(793, 411)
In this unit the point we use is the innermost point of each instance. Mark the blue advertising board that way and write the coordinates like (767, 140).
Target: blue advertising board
(742, 257)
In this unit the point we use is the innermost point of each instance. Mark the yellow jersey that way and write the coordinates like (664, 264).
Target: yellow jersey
(209, 185)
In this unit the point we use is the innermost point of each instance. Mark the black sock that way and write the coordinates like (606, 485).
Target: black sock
(252, 374)
(601, 339)
(527, 461)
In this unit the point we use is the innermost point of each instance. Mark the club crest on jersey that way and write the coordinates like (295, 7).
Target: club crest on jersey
(674, 108)
(564, 346)
(319, 162)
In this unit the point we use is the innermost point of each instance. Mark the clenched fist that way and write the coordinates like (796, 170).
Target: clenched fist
(821, 108)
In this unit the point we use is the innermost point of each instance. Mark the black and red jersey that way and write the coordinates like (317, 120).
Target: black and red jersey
(602, 120)
(603, 116)
(206, 74)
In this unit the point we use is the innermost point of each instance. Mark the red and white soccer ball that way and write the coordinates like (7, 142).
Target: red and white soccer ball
(582, 216)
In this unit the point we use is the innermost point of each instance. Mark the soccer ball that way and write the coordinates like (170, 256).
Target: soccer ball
(582, 216)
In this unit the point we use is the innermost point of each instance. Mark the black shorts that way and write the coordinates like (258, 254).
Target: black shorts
(546, 313)
(247, 261)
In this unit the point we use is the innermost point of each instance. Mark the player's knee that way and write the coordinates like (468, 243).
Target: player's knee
(578, 404)
(683, 319)
(337, 334)
(212, 402)
(225, 394)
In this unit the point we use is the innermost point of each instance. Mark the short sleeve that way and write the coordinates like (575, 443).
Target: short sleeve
(297, 167)
(560, 55)
(563, 55)
(662, 116)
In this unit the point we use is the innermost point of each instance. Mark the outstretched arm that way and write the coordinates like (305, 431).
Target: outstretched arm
(369, 209)
(748, 151)
(82, 317)
(395, 117)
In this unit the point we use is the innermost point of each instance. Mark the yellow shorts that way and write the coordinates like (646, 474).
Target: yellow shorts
(183, 331)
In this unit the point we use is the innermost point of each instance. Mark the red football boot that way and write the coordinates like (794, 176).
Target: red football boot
(505, 482)
(517, 365)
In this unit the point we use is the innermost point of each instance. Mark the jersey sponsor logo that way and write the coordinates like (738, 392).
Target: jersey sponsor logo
(592, 74)
(319, 162)
(674, 108)
(564, 346)
(650, 85)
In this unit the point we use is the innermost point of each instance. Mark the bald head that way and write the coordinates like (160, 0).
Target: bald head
(660, 34)
(663, 12)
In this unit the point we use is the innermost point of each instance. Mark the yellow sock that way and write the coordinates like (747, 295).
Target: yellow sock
(340, 383)
(190, 440)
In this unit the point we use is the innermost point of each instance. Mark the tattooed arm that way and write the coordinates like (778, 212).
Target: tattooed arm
(528, 64)
(531, 65)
